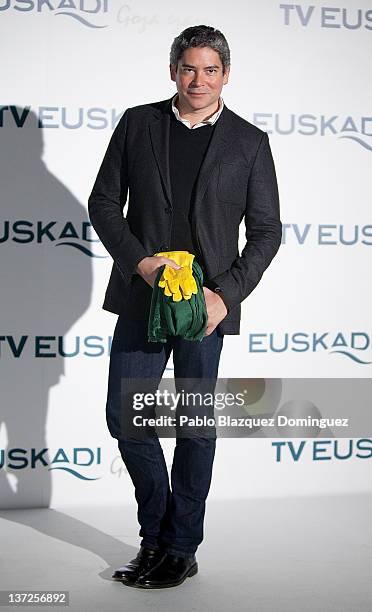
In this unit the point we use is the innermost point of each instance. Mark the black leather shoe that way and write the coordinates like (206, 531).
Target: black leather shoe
(170, 572)
(145, 560)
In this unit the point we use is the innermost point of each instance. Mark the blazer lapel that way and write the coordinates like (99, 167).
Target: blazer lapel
(159, 135)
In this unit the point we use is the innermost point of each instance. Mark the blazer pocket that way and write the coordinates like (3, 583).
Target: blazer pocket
(232, 183)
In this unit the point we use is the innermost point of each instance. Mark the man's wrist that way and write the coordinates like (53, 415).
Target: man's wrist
(215, 287)
(223, 298)
(137, 268)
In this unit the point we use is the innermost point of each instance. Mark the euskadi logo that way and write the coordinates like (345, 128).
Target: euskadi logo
(78, 462)
(67, 234)
(358, 129)
(354, 345)
(83, 11)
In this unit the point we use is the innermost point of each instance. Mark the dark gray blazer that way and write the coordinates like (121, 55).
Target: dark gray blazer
(237, 179)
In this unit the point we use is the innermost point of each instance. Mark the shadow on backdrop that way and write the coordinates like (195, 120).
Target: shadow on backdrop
(46, 282)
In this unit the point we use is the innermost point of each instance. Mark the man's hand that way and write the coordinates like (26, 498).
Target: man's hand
(149, 266)
(216, 309)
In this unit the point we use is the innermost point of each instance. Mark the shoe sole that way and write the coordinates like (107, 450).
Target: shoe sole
(192, 571)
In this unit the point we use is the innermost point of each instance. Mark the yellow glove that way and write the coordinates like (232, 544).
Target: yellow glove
(178, 284)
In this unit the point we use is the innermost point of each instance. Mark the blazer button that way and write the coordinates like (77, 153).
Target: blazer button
(167, 210)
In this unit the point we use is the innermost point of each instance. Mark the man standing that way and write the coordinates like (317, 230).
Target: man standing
(194, 169)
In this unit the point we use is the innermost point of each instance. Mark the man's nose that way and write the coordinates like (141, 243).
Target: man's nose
(198, 79)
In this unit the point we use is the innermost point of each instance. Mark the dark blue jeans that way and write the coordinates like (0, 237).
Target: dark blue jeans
(169, 517)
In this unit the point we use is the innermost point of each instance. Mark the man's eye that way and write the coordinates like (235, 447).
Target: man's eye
(210, 70)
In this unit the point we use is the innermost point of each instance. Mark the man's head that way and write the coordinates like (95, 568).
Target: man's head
(200, 66)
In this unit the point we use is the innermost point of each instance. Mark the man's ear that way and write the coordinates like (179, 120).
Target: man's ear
(172, 71)
(226, 75)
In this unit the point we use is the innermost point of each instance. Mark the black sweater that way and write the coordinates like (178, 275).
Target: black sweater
(187, 148)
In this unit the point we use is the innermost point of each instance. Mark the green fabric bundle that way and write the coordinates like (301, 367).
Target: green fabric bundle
(186, 318)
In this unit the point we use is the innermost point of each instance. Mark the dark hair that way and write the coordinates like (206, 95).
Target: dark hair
(200, 36)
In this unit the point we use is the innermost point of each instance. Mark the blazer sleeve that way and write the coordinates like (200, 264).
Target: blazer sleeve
(106, 203)
(263, 229)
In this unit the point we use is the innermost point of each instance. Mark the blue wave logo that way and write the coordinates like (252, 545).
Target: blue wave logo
(353, 357)
(81, 248)
(81, 19)
(359, 140)
(73, 472)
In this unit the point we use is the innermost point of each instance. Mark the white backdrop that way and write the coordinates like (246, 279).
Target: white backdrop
(68, 71)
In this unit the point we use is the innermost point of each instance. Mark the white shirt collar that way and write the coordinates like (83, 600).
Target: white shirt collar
(209, 121)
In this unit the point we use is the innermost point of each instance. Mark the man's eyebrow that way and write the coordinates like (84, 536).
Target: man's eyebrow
(206, 67)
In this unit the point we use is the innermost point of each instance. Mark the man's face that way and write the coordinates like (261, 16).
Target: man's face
(199, 77)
